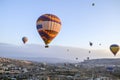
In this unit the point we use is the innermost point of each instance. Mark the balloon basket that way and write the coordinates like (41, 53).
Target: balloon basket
(46, 46)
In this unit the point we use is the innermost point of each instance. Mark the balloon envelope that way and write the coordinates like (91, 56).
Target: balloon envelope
(48, 26)
(76, 58)
(114, 48)
(89, 51)
(90, 43)
(93, 4)
(24, 39)
(88, 58)
(67, 49)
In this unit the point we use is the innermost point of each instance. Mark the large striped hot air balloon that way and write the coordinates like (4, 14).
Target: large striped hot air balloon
(114, 48)
(48, 26)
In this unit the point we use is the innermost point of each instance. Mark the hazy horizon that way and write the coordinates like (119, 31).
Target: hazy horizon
(60, 52)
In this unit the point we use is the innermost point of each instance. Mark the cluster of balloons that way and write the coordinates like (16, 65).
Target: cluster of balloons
(114, 48)
(49, 25)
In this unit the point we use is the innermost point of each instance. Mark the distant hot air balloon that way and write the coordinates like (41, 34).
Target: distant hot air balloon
(89, 51)
(99, 44)
(93, 4)
(88, 58)
(24, 39)
(76, 58)
(114, 48)
(48, 26)
(90, 43)
(68, 50)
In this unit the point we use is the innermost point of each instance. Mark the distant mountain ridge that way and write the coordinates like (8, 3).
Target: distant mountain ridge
(46, 59)
(102, 61)
(86, 62)
(14, 61)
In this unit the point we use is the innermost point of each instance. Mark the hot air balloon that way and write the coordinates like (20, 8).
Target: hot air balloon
(114, 49)
(24, 39)
(93, 4)
(76, 58)
(88, 58)
(99, 44)
(48, 26)
(89, 51)
(90, 43)
(68, 50)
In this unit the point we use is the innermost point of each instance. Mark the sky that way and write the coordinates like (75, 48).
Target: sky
(81, 22)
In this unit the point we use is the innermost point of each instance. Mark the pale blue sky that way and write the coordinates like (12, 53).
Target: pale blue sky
(81, 22)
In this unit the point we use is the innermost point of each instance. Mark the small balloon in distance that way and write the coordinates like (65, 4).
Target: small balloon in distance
(93, 4)
(90, 43)
(114, 48)
(24, 39)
